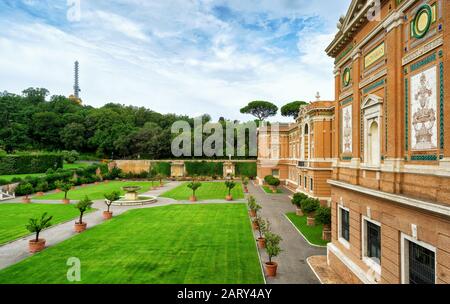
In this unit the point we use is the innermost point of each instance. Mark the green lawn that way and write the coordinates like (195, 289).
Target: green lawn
(10, 177)
(95, 192)
(178, 244)
(208, 191)
(269, 191)
(313, 234)
(14, 217)
(76, 165)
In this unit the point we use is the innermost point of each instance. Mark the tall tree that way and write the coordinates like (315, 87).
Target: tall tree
(260, 109)
(292, 109)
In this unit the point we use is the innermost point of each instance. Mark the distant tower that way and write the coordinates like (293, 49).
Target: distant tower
(318, 96)
(76, 86)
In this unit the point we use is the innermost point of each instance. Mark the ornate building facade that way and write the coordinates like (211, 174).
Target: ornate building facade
(379, 155)
(300, 154)
(390, 181)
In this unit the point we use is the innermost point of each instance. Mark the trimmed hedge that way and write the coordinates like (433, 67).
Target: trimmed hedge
(163, 168)
(29, 163)
(204, 168)
(246, 169)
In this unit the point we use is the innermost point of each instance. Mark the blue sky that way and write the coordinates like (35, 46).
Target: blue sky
(173, 56)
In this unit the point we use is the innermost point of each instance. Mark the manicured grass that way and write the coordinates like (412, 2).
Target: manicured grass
(76, 165)
(313, 234)
(208, 191)
(95, 192)
(14, 218)
(269, 191)
(177, 244)
(22, 176)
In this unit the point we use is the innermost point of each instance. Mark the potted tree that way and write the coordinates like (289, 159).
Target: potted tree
(109, 199)
(273, 250)
(245, 182)
(297, 200)
(194, 186)
(253, 206)
(160, 177)
(25, 189)
(323, 217)
(263, 228)
(83, 205)
(230, 185)
(309, 207)
(36, 226)
(255, 223)
(64, 187)
(274, 183)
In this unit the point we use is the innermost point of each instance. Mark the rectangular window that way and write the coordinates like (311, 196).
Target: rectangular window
(345, 224)
(421, 265)
(306, 182)
(299, 180)
(373, 242)
(276, 173)
(311, 184)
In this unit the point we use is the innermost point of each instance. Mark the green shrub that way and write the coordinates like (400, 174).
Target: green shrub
(275, 182)
(29, 163)
(71, 156)
(246, 169)
(24, 189)
(298, 198)
(163, 168)
(310, 205)
(204, 168)
(3, 182)
(268, 179)
(42, 186)
(323, 216)
(272, 245)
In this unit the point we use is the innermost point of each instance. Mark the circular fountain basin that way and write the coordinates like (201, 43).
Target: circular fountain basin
(140, 201)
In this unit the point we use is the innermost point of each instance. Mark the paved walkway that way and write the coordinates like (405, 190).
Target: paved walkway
(292, 265)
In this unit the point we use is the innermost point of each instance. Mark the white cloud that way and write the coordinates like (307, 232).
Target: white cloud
(172, 56)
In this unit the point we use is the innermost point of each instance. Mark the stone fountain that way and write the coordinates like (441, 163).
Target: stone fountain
(133, 198)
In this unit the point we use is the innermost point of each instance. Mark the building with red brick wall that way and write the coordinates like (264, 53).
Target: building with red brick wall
(300, 154)
(390, 182)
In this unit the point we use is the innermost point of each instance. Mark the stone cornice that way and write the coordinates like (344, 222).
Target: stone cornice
(372, 78)
(400, 199)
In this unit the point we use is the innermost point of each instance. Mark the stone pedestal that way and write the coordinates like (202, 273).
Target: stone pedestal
(229, 169)
(177, 169)
(131, 196)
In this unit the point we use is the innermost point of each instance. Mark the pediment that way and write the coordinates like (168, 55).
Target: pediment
(371, 100)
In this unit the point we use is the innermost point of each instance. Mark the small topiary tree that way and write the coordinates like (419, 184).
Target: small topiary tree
(323, 217)
(297, 200)
(82, 206)
(37, 225)
(25, 189)
(64, 187)
(253, 206)
(110, 198)
(230, 185)
(273, 249)
(245, 182)
(309, 206)
(194, 185)
(274, 183)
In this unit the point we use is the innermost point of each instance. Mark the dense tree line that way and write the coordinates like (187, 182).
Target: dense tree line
(35, 121)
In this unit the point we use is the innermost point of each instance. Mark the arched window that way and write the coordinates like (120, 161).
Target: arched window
(306, 142)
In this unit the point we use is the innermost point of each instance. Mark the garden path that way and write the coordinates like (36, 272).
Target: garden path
(292, 264)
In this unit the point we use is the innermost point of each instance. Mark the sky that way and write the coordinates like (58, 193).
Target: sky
(172, 56)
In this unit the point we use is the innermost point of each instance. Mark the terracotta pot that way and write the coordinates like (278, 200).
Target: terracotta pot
(299, 212)
(261, 243)
(310, 220)
(326, 233)
(255, 225)
(34, 246)
(193, 198)
(80, 227)
(96, 183)
(40, 193)
(106, 181)
(66, 201)
(73, 188)
(229, 198)
(57, 191)
(271, 269)
(245, 189)
(107, 215)
(274, 190)
(252, 213)
(83, 185)
(26, 200)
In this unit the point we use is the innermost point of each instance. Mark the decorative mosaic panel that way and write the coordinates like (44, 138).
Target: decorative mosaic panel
(424, 110)
(406, 115)
(347, 129)
(441, 104)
